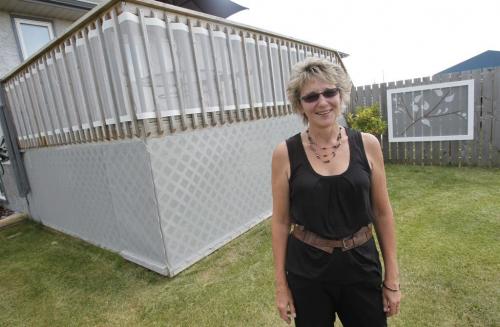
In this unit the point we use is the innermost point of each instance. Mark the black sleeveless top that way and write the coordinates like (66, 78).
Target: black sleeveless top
(334, 207)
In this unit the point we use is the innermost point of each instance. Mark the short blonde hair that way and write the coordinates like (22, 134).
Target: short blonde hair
(313, 68)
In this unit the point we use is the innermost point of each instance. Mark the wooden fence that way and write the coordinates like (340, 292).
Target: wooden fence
(483, 150)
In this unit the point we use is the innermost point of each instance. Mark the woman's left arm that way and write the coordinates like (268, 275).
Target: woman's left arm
(384, 223)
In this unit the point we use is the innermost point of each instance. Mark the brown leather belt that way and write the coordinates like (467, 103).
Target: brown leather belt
(328, 245)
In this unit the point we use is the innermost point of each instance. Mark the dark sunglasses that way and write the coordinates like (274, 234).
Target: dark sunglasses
(313, 97)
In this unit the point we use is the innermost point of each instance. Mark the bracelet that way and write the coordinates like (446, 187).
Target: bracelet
(391, 289)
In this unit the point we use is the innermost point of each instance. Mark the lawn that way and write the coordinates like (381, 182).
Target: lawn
(449, 252)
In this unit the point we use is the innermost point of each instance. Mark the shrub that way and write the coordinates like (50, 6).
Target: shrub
(367, 119)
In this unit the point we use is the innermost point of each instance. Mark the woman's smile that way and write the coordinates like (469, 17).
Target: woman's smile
(324, 112)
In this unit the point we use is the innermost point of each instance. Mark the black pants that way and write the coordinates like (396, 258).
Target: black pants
(316, 303)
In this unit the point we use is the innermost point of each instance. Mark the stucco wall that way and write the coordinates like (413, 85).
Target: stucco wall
(10, 55)
(60, 26)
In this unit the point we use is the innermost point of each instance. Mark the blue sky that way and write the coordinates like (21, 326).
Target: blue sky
(386, 40)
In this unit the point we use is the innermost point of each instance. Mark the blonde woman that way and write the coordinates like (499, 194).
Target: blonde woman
(329, 190)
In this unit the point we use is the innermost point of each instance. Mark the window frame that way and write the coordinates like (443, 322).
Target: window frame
(32, 21)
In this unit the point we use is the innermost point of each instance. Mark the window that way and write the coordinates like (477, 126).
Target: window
(32, 34)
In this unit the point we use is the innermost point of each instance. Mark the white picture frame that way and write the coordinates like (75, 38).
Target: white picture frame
(433, 112)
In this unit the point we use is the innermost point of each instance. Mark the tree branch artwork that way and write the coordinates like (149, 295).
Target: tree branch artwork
(421, 111)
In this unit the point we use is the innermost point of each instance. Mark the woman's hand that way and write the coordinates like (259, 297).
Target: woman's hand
(392, 300)
(284, 302)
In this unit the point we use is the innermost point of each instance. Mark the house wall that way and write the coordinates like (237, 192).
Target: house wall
(10, 54)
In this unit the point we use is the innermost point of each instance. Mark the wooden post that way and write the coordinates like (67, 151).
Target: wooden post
(495, 147)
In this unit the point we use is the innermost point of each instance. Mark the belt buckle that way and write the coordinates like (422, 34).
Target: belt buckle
(343, 243)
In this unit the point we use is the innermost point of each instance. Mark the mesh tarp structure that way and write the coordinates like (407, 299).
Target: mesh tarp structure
(148, 129)
(164, 203)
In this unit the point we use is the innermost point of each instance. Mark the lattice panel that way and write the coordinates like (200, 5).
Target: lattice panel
(101, 193)
(205, 187)
(213, 184)
(134, 201)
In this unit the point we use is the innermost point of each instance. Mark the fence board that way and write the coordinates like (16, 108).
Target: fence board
(354, 99)
(454, 145)
(495, 147)
(361, 97)
(376, 93)
(476, 74)
(401, 155)
(393, 148)
(367, 96)
(427, 145)
(409, 146)
(486, 117)
(383, 109)
(436, 145)
(417, 146)
(445, 145)
(466, 146)
(376, 100)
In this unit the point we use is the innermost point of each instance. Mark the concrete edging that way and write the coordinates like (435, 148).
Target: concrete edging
(13, 219)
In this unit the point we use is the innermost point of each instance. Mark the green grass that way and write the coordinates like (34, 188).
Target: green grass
(448, 222)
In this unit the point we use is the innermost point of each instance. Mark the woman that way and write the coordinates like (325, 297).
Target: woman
(329, 187)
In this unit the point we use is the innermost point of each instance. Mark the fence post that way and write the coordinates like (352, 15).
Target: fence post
(401, 155)
(486, 117)
(376, 101)
(495, 148)
(409, 147)
(466, 145)
(383, 111)
(436, 145)
(427, 145)
(454, 146)
(418, 146)
(393, 147)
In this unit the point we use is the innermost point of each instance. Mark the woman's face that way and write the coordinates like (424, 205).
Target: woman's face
(324, 110)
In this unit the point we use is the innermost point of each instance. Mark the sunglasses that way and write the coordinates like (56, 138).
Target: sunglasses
(313, 97)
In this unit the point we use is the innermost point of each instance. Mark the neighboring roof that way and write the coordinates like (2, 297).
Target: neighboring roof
(78, 4)
(342, 54)
(220, 8)
(62, 9)
(487, 59)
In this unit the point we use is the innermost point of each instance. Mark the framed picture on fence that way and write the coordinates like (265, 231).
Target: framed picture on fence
(433, 112)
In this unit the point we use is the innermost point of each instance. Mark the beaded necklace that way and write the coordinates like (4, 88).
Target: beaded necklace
(328, 156)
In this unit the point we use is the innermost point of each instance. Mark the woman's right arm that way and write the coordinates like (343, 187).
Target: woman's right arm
(280, 225)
